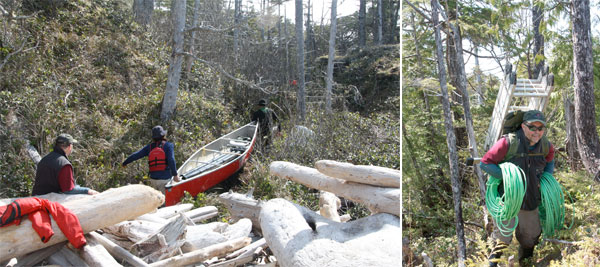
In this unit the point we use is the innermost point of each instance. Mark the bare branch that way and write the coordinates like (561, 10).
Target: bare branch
(418, 10)
(224, 72)
(479, 56)
(16, 52)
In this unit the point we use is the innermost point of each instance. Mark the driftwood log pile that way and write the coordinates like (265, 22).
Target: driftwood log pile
(125, 226)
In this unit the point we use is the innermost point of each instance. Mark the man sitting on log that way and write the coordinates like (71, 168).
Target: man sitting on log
(55, 172)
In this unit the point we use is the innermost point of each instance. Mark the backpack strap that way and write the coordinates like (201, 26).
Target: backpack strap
(513, 145)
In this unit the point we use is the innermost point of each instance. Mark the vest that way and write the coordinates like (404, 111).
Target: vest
(531, 162)
(46, 175)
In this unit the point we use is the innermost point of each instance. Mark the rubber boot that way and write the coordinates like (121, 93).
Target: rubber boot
(496, 253)
(525, 258)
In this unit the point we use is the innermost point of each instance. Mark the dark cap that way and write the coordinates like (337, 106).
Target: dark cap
(533, 116)
(65, 139)
(158, 132)
(262, 102)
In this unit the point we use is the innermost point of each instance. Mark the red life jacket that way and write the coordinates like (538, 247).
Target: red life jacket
(157, 159)
(37, 210)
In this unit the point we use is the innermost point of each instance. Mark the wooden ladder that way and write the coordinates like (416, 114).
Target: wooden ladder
(518, 94)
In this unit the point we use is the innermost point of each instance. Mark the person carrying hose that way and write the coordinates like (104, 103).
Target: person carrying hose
(529, 149)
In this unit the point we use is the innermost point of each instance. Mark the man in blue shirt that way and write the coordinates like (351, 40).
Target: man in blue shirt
(161, 159)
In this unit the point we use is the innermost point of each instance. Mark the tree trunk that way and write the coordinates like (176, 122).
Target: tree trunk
(362, 14)
(331, 56)
(300, 101)
(538, 40)
(453, 68)
(583, 70)
(192, 47)
(393, 24)
(379, 39)
(571, 142)
(310, 46)
(477, 70)
(462, 86)
(170, 99)
(142, 12)
(236, 30)
(451, 140)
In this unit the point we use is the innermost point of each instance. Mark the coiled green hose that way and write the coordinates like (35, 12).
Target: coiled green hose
(506, 207)
(552, 208)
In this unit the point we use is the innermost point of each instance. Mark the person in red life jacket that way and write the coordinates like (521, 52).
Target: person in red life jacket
(266, 118)
(529, 149)
(54, 172)
(161, 159)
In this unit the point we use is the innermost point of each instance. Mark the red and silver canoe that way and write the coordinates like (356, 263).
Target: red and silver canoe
(212, 164)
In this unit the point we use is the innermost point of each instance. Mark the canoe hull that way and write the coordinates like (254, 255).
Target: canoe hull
(208, 179)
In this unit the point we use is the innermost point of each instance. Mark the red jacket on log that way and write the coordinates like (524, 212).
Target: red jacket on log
(38, 209)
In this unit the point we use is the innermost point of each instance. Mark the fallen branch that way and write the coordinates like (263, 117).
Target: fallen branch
(96, 255)
(118, 251)
(204, 254)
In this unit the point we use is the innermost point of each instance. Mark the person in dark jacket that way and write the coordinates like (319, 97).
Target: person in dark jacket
(161, 159)
(534, 160)
(54, 172)
(266, 118)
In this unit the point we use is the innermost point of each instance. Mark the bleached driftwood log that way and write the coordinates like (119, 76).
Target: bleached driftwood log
(55, 197)
(201, 236)
(171, 211)
(94, 212)
(201, 212)
(150, 217)
(377, 199)
(135, 230)
(163, 243)
(36, 257)
(364, 174)
(299, 237)
(118, 251)
(241, 228)
(241, 206)
(95, 254)
(329, 205)
(204, 254)
(261, 243)
(66, 257)
(123, 242)
(345, 218)
(243, 255)
(204, 217)
(204, 235)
